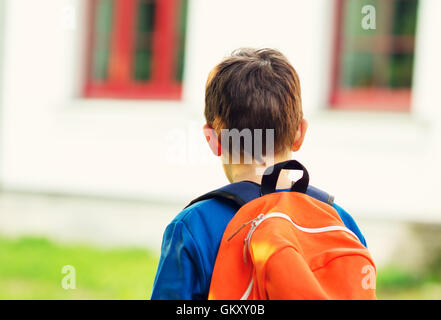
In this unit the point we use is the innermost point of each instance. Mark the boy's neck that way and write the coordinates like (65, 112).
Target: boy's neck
(253, 172)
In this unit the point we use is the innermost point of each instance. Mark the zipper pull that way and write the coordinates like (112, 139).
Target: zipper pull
(243, 226)
(240, 228)
(254, 224)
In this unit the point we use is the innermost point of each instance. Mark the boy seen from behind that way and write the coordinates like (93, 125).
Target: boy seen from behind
(255, 93)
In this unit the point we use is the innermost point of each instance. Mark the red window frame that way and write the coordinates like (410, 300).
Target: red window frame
(370, 98)
(120, 83)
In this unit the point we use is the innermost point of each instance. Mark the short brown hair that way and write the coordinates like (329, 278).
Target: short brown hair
(255, 89)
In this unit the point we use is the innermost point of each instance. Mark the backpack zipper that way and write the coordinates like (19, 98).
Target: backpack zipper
(246, 242)
(261, 217)
(254, 224)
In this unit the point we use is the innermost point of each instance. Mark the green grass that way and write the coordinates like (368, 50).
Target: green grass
(394, 283)
(31, 268)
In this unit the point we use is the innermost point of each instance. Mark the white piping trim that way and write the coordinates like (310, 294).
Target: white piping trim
(247, 291)
(308, 230)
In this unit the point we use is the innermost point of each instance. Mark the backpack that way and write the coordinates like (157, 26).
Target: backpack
(288, 245)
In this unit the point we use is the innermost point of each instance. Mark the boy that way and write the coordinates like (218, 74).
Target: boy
(251, 89)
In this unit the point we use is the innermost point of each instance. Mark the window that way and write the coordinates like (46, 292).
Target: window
(136, 49)
(373, 68)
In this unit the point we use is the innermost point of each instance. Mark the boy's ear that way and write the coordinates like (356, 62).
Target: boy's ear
(212, 139)
(300, 135)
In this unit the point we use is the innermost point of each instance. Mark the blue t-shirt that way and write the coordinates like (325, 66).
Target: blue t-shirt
(190, 245)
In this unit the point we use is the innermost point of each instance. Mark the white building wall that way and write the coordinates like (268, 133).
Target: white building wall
(55, 141)
(2, 33)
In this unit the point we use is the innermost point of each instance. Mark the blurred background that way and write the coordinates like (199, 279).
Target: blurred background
(101, 110)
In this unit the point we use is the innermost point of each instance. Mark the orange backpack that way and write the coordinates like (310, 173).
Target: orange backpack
(288, 245)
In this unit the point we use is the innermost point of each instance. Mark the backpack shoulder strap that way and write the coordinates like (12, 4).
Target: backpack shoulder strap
(240, 193)
(320, 195)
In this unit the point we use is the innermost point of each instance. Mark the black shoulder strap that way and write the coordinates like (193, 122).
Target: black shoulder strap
(240, 193)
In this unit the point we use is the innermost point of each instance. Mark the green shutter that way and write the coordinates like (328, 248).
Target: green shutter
(102, 39)
(144, 40)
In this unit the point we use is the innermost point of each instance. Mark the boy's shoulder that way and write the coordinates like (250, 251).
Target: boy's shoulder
(205, 215)
(226, 200)
(222, 202)
(349, 222)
